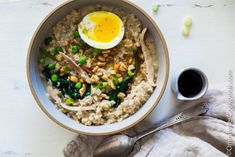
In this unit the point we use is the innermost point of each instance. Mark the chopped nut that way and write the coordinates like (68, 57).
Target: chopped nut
(101, 64)
(112, 85)
(58, 57)
(128, 43)
(110, 58)
(104, 96)
(83, 89)
(62, 72)
(113, 72)
(105, 78)
(81, 80)
(122, 67)
(130, 61)
(106, 51)
(120, 79)
(74, 79)
(105, 55)
(99, 74)
(95, 69)
(95, 78)
(131, 67)
(88, 64)
(57, 66)
(121, 95)
(118, 75)
(100, 58)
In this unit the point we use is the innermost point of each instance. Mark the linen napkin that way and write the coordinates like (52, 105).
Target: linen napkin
(211, 135)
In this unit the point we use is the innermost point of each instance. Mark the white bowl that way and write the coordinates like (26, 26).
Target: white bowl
(39, 91)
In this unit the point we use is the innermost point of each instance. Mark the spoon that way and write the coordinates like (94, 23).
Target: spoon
(121, 145)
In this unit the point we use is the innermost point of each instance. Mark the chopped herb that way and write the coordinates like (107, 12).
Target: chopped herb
(68, 101)
(96, 51)
(115, 80)
(45, 53)
(89, 55)
(42, 50)
(85, 31)
(102, 85)
(130, 73)
(42, 61)
(66, 69)
(76, 34)
(58, 49)
(67, 87)
(48, 40)
(155, 9)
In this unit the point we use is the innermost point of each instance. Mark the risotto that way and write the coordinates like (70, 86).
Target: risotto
(98, 86)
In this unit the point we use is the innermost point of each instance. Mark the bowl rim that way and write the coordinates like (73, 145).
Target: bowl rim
(155, 103)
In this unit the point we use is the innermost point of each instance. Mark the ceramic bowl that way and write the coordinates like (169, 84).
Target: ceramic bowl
(39, 91)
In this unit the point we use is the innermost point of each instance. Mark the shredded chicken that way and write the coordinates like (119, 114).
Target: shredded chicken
(148, 59)
(77, 68)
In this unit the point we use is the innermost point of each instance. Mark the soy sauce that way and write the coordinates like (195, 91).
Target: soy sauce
(190, 83)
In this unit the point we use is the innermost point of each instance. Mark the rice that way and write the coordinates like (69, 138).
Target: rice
(93, 103)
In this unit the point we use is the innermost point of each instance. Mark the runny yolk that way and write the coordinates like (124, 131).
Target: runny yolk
(107, 26)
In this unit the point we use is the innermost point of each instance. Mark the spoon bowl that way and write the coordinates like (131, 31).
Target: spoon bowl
(114, 146)
(121, 145)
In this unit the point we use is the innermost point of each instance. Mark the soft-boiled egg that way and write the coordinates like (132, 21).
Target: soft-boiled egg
(101, 29)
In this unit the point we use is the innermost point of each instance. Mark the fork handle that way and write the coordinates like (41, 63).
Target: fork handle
(181, 117)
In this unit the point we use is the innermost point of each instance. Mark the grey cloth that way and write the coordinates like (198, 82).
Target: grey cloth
(211, 135)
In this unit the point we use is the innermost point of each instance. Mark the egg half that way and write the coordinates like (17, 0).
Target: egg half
(101, 29)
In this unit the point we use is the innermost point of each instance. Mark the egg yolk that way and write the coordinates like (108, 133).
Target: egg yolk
(107, 26)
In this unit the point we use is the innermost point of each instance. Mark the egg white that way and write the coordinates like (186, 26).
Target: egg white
(88, 25)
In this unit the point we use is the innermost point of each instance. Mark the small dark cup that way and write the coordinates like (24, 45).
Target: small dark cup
(189, 84)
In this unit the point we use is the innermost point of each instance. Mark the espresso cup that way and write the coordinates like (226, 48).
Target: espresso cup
(189, 84)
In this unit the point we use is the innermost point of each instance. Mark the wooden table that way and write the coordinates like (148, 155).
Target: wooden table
(27, 132)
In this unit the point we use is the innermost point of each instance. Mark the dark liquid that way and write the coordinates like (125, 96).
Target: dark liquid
(190, 83)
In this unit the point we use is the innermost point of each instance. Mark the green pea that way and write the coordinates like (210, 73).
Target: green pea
(54, 78)
(89, 55)
(68, 101)
(115, 80)
(51, 66)
(78, 85)
(48, 40)
(42, 61)
(130, 73)
(75, 49)
(76, 34)
(82, 60)
(58, 49)
(66, 69)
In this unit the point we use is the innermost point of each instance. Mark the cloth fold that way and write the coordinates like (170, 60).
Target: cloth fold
(211, 135)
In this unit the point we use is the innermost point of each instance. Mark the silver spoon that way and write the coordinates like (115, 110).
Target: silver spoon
(121, 145)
